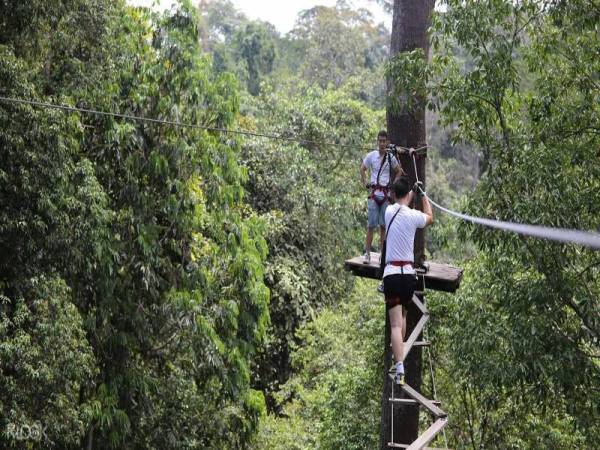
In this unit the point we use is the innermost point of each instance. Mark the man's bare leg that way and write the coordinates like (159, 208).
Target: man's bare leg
(397, 323)
(369, 240)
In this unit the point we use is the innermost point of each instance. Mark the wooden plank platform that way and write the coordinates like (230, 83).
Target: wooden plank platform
(439, 277)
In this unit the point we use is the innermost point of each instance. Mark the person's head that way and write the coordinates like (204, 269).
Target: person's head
(382, 140)
(402, 188)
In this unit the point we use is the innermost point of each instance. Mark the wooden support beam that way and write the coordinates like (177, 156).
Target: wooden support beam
(437, 412)
(419, 344)
(417, 301)
(394, 445)
(429, 434)
(408, 345)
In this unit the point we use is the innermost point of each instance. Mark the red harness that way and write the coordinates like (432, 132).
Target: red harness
(380, 200)
(400, 263)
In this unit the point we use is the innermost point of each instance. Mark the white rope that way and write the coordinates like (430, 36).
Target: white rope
(568, 236)
(431, 371)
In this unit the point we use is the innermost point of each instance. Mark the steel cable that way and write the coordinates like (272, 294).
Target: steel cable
(177, 124)
(568, 236)
(564, 235)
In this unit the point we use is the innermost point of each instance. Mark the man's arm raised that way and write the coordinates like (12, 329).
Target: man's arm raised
(428, 211)
(399, 172)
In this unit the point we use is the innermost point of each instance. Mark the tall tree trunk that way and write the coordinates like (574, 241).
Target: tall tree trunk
(406, 128)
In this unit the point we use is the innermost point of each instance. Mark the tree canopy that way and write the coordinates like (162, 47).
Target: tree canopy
(131, 270)
(172, 287)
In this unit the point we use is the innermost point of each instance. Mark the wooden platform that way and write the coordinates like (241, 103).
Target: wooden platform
(439, 277)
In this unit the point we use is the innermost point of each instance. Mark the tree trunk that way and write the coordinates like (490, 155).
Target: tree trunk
(90, 438)
(407, 128)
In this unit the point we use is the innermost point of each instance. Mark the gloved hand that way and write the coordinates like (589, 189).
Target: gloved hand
(419, 188)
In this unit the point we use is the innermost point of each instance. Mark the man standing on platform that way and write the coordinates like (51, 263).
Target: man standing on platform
(399, 277)
(384, 168)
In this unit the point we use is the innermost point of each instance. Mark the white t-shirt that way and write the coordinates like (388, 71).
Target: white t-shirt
(400, 241)
(373, 161)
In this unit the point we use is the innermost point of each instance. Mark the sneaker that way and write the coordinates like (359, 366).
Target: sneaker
(367, 258)
(380, 288)
(399, 379)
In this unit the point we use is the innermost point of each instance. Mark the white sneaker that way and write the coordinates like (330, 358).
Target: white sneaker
(367, 258)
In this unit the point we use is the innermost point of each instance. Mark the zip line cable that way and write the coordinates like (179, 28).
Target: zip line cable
(583, 238)
(177, 124)
(188, 125)
(568, 236)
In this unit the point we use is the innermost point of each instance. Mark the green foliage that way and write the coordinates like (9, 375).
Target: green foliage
(256, 48)
(333, 398)
(529, 341)
(136, 260)
(408, 74)
(46, 362)
(335, 43)
(314, 213)
(145, 225)
(497, 367)
(238, 45)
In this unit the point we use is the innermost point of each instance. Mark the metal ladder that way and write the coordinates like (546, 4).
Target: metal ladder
(432, 406)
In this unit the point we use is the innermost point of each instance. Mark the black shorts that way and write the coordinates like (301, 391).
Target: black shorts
(399, 289)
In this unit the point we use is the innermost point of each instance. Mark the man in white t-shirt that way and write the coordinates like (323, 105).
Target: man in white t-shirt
(399, 278)
(384, 169)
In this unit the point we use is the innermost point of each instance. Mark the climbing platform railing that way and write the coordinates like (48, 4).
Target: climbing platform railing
(414, 397)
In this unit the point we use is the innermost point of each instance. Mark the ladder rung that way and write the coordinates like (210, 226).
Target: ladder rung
(410, 401)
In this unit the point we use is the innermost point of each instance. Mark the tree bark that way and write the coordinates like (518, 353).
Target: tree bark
(90, 438)
(407, 128)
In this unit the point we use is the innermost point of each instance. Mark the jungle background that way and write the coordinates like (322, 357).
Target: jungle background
(167, 287)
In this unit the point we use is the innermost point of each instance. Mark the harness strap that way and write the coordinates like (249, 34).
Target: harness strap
(384, 189)
(378, 187)
(400, 263)
(381, 167)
